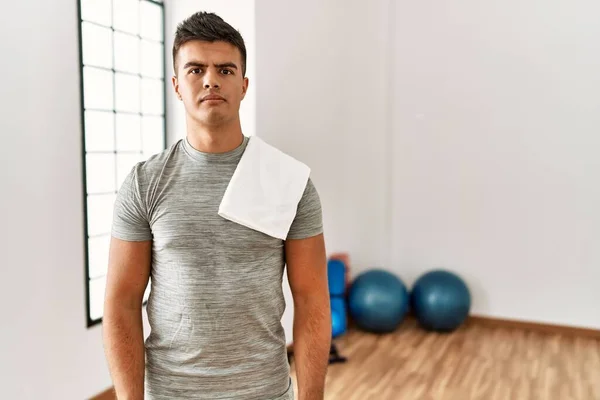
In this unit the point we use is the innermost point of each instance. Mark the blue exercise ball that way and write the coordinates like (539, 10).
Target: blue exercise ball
(338, 323)
(440, 300)
(378, 301)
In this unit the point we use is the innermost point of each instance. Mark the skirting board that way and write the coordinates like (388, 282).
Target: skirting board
(517, 324)
(535, 326)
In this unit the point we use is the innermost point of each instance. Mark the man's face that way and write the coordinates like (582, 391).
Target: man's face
(210, 69)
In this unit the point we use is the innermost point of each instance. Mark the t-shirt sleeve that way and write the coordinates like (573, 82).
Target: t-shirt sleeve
(130, 220)
(309, 216)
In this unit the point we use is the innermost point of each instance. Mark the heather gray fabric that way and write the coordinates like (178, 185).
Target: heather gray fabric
(216, 298)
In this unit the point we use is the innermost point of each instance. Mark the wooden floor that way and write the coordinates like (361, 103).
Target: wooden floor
(475, 362)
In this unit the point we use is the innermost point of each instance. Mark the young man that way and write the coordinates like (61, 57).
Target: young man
(216, 302)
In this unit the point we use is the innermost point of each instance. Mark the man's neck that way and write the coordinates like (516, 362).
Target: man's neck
(215, 139)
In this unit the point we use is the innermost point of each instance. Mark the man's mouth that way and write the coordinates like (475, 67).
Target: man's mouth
(212, 98)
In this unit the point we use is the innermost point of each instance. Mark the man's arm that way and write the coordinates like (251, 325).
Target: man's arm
(127, 279)
(307, 273)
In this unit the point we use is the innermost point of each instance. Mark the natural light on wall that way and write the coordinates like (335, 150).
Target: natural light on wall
(123, 110)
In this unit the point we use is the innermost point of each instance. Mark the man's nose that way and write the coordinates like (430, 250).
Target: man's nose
(211, 80)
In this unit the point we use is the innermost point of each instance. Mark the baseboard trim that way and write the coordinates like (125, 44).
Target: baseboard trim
(108, 394)
(535, 326)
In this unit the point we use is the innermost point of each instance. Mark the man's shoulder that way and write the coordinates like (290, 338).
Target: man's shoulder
(154, 165)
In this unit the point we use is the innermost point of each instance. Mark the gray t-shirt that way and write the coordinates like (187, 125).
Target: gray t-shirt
(216, 298)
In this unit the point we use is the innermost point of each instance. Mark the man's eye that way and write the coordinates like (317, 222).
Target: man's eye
(195, 70)
(227, 71)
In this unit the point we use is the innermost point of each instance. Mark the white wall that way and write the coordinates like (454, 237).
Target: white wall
(460, 136)
(240, 15)
(47, 350)
(496, 153)
(321, 98)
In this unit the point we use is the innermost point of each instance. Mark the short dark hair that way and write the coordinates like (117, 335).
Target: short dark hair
(207, 27)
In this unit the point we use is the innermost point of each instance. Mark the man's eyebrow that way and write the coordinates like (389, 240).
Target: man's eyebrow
(200, 64)
(193, 64)
(226, 65)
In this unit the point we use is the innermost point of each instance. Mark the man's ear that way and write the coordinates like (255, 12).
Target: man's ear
(176, 86)
(245, 87)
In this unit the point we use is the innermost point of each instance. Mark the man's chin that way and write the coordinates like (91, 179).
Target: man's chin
(210, 118)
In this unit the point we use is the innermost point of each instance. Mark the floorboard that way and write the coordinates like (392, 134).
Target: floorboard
(475, 362)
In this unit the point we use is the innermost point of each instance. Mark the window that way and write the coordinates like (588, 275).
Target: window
(122, 59)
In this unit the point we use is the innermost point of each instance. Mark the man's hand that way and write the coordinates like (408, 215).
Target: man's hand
(307, 274)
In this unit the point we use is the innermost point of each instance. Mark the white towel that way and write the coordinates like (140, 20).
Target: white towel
(265, 189)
